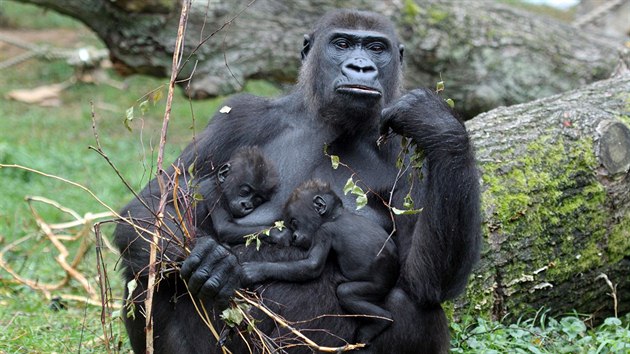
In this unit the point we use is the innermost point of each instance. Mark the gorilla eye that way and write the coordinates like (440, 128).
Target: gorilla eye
(377, 47)
(244, 191)
(341, 43)
(257, 201)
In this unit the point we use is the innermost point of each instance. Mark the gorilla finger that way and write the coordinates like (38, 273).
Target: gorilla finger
(226, 292)
(189, 264)
(213, 285)
(386, 119)
(206, 250)
(197, 280)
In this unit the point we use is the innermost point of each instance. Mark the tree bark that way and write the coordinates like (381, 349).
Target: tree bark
(488, 54)
(556, 199)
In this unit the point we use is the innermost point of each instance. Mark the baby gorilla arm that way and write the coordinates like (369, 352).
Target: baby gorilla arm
(230, 232)
(305, 269)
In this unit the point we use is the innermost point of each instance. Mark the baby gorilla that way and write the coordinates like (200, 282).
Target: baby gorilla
(246, 181)
(366, 255)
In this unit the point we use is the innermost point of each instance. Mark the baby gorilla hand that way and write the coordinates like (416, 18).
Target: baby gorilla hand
(278, 237)
(212, 272)
(252, 273)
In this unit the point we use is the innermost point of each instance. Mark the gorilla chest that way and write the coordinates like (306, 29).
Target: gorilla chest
(298, 155)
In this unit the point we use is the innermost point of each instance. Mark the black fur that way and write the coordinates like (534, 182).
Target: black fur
(240, 185)
(437, 248)
(366, 255)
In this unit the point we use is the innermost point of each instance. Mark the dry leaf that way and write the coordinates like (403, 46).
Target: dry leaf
(47, 95)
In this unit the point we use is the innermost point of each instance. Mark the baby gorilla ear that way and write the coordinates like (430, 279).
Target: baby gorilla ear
(320, 204)
(224, 171)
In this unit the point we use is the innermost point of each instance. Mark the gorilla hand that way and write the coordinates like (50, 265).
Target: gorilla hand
(212, 272)
(424, 117)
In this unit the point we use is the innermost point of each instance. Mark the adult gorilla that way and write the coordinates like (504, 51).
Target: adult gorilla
(348, 94)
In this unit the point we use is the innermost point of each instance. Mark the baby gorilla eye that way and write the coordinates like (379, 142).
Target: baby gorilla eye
(245, 191)
(293, 224)
(257, 200)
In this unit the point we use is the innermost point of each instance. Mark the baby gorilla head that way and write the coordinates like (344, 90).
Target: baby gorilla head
(309, 206)
(247, 180)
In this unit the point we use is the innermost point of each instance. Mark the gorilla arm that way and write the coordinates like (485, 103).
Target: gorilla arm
(447, 233)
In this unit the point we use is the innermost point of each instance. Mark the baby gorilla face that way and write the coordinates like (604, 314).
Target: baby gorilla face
(246, 181)
(244, 200)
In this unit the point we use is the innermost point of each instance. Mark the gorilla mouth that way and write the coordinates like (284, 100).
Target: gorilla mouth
(359, 90)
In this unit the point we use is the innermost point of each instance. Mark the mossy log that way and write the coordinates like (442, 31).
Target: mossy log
(556, 198)
(488, 53)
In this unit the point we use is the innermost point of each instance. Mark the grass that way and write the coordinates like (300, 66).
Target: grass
(55, 140)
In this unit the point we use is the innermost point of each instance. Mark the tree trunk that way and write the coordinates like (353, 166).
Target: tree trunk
(556, 197)
(488, 54)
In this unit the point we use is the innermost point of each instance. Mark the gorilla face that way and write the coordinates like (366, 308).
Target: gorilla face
(353, 74)
(359, 57)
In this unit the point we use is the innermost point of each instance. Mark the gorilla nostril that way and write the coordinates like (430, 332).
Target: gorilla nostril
(354, 67)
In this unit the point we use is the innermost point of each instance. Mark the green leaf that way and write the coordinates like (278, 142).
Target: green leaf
(356, 190)
(408, 202)
(249, 239)
(157, 95)
(131, 307)
(144, 106)
(129, 113)
(450, 103)
(335, 161)
(361, 201)
(279, 225)
(406, 212)
(232, 316)
(131, 286)
(128, 118)
(191, 170)
(440, 86)
(348, 186)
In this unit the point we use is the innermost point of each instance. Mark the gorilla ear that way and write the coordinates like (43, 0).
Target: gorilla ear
(320, 204)
(401, 49)
(224, 171)
(306, 46)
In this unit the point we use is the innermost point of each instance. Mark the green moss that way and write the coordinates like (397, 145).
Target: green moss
(544, 209)
(619, 240)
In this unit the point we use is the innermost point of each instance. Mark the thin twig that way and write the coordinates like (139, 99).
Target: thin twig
(282, 323)
(179, 45)
(613, 290)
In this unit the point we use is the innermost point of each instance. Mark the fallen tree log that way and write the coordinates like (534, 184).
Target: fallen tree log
(556, 198)
(489, 54)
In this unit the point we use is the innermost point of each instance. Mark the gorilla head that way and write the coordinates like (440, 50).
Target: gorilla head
(351, 67)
